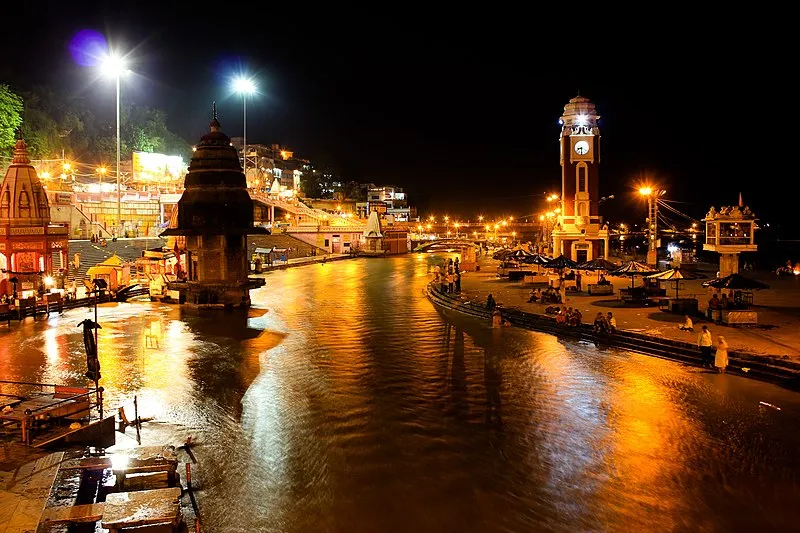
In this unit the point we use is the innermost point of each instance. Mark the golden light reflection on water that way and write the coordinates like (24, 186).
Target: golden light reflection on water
(347, 402)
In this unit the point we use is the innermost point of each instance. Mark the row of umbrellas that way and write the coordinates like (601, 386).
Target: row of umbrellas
(632, 269)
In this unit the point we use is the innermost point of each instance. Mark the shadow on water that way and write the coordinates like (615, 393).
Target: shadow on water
(228, 358)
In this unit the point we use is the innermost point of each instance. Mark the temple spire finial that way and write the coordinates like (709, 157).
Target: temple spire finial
(215, 126)
(21, 156)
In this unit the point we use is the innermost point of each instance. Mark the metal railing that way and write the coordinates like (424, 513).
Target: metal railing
(86, 401)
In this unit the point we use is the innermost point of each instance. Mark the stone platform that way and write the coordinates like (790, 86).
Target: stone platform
(775, 338)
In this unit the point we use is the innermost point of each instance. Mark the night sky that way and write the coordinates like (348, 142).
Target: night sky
(459, 108)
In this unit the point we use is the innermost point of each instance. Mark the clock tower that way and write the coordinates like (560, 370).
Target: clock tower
(579, 233)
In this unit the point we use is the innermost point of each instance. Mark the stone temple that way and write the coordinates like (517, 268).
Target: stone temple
(211, 223)
(28, 241)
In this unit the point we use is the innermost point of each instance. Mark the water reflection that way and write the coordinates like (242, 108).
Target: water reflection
(346, 402)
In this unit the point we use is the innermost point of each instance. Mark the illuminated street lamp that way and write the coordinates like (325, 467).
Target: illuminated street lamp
(101, 171)
(114, 66)
(244, 86)
(457, 225)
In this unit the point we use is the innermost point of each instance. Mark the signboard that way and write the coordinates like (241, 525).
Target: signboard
(63, 198)
(157, 168)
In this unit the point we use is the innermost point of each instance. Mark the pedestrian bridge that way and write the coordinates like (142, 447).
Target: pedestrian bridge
(444, 244)
(303, 215)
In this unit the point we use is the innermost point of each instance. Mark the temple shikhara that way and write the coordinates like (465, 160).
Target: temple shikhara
(27, 239)
(211, 222)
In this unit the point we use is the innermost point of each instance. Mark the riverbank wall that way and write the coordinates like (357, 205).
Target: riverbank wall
(786, 374)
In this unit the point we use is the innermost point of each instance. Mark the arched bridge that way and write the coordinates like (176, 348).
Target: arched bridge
(444, 244)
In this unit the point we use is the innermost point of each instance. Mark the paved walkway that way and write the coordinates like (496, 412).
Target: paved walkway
(25, 484)
(778, 333)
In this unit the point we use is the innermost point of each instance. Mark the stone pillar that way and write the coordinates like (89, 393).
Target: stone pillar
(728, 264)
(605, 248)
(272, 214)
(556, 246)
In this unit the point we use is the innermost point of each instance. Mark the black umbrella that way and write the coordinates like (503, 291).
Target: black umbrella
(501, 254)
(632, 269)
(561, 262)
(519, 254)
(736, 282)
(537, 259)
(598, 263)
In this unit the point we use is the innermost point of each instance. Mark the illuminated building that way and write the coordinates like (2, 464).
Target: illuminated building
(579, 233)
(27, 239)
(729, 232)
(213, 218)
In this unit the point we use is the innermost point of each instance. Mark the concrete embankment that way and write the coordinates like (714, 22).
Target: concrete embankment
(787, 375)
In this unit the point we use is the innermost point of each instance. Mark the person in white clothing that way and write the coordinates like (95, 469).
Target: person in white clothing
(688, 325)
(721, 357)
(705, 343)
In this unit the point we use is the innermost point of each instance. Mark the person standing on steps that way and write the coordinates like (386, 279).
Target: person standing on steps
(705, 343)
(721, 357)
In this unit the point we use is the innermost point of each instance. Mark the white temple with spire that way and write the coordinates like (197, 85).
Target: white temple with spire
(373, 236)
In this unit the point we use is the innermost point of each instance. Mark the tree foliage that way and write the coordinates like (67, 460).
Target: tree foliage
(52, 123)
(10, 117)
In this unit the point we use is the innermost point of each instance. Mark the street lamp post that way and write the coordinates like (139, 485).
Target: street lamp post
(652, 195)
(114, 65)
(244, 86)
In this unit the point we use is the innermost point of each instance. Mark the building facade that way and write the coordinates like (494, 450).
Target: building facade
(579, 233)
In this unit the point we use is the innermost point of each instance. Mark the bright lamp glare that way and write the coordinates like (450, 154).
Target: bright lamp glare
(114, 66)
(244, 85)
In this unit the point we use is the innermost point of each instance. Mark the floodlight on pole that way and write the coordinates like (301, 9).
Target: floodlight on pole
(244, 86)
(114, 66)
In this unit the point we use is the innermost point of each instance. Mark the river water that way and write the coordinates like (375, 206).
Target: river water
(344, 401)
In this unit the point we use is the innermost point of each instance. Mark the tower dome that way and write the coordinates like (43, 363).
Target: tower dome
(23, 201)
(580, 105)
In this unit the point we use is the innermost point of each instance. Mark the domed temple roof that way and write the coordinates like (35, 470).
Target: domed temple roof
(215, 200)
(23, 201)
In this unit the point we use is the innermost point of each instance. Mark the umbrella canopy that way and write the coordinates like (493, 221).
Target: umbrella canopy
(598, 263)
(736, 282)
(675, 275)
(519, 254)
(501, 254)
(537, 259)
(561, 262)
(633, 268)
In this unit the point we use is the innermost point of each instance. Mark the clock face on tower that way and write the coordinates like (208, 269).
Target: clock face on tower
(581, 147)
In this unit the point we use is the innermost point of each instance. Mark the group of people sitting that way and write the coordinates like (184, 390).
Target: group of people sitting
(717, 303)
(549, 295)
(605, 323)
(566, 315)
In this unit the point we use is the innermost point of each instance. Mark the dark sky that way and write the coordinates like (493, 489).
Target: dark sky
(460, 107)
